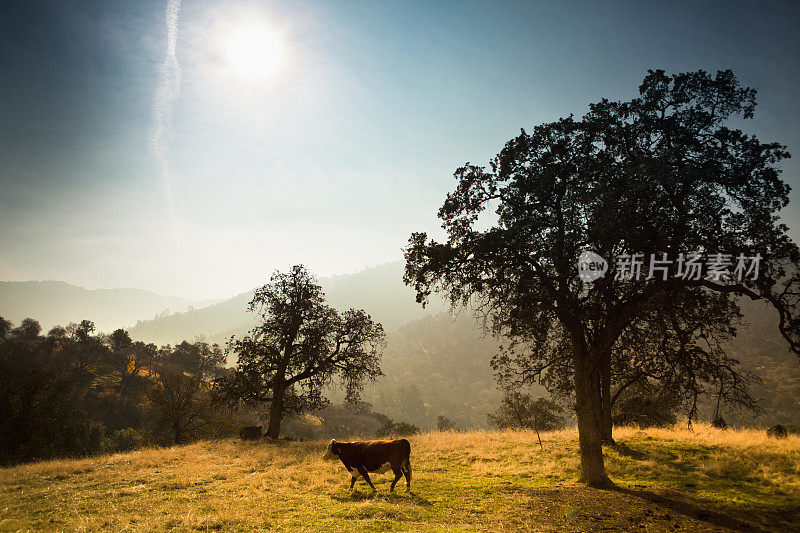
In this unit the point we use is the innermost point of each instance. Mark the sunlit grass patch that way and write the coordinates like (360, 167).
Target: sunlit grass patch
(729, 466)
(462, 481)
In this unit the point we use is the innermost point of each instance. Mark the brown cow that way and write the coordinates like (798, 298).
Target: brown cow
(376, 456)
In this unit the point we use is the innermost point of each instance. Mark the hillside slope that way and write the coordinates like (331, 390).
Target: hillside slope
(761, 349)
(711, 480)
(57, 302)
(379, 290)
(435, 366)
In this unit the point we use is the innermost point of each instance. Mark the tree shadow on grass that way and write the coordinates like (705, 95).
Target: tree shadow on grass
(782, 520)
(577, 507)
(623, 449)
(692, 468)
(686, 469)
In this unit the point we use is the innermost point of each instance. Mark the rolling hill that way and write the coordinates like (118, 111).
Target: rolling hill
(57, 302)
(379, 290)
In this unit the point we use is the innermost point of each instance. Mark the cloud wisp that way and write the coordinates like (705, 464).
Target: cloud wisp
(168, 90)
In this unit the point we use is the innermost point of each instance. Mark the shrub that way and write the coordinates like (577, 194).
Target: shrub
(520, 411)
(444, 424)
(125, 440)
(396, 429)
(646, 407)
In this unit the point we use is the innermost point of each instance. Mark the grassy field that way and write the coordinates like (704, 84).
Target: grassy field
(667, 480)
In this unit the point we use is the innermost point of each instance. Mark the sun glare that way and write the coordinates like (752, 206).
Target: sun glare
(254, 52)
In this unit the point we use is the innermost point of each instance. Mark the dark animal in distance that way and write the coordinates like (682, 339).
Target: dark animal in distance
(779, 432)
(376, 456)
(719, 423)
(250, 433)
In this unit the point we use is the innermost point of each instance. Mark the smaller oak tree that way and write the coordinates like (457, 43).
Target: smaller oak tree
(299, 346)
(519, 411)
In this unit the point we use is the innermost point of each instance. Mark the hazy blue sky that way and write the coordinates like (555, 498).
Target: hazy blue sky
(335, 158)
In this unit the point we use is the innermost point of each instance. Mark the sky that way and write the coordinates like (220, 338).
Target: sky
(140, 147)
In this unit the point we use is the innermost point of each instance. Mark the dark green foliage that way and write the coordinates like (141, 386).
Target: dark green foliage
(646, 407)
(181, 394)
(396, 429)
(444, 424)
(5, 328)
(350, 421)
(125, 440)
(198, 359)
(57, 332)
(180, 403)
(66, 432)
(61, 394)
(342, 421)
(40, 416)
(29, 329)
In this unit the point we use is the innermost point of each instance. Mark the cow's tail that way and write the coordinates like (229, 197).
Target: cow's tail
(407, 465)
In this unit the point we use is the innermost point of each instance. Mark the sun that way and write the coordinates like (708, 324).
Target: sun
(254, 52)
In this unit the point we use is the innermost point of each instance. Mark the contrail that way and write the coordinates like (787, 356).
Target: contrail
(169, 88)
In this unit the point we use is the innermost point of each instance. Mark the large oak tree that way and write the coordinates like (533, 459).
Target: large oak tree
(660, 174)
(673, 352)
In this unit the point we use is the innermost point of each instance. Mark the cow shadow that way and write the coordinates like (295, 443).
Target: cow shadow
(354, 496)
(394, 497)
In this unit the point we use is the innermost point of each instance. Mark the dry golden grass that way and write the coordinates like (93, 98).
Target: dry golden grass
(462, 481)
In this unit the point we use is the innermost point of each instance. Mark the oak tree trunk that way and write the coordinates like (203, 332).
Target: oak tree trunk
(605, 383)
(276, 412)
(589, 411)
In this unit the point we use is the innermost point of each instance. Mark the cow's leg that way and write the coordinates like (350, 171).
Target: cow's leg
(398, 473)
(365, 475)
(352, 482)
(407, 473)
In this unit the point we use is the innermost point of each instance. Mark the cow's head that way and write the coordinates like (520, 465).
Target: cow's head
(331, 451)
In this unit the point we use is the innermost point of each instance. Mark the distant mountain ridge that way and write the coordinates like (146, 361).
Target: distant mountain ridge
(58, 302)
(378, 290)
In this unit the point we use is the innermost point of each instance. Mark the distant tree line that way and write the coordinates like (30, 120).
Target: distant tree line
(73, 392)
